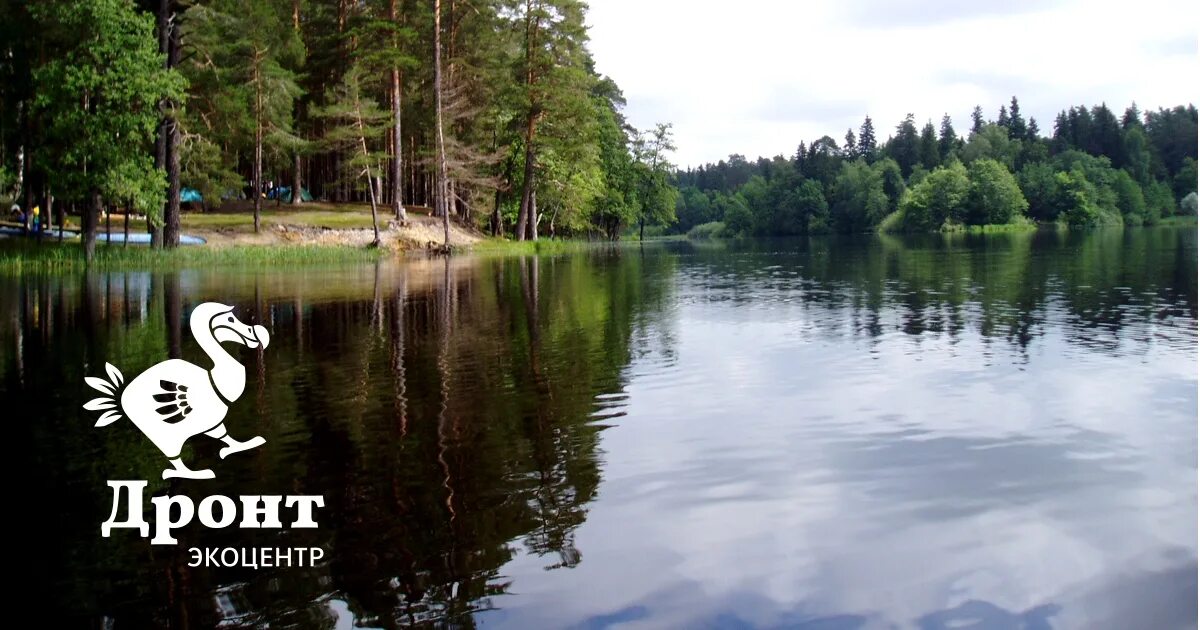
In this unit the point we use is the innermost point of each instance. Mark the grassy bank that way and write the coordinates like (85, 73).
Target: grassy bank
(1179, 220)
(543, 247)
(20, 256)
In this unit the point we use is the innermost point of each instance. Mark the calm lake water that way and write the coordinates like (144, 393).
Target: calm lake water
(968, 432)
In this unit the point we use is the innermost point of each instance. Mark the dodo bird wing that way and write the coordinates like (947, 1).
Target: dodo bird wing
(170, 392)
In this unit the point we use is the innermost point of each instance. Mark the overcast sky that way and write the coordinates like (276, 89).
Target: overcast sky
(756, 77)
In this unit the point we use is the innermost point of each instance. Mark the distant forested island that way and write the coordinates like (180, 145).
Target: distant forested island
(1094, 169)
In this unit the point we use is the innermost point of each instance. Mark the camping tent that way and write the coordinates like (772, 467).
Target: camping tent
(190, 195)
(285, 194)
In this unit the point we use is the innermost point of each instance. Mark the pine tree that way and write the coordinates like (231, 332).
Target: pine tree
(851, 143)
(977, 120)
(1032, 133)
(930, 154)
(947, 138)
(1132, 117)
(357, 127)
(441, 190)
(905, 146)
(251, 48)
(1003, 120)
(553, 38)
(1016, 124)
(1060, 139)
(866, 140)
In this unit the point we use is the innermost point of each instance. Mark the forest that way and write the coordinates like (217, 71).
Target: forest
(488, 113)
(1094, 169)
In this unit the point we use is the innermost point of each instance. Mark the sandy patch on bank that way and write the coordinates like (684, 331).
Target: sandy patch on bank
(421, 232)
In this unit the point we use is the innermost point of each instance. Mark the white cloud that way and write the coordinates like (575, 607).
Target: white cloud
(757, 77)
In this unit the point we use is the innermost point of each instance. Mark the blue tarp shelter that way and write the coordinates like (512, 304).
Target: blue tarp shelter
(285, 194)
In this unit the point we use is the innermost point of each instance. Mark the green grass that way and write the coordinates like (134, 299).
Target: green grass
(345, 217)
(542, 247)
(1181, 220)
(19, 256)
(706, 231)
(1020, 224)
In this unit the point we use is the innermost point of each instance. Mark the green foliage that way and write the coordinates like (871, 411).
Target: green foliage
(893, 181)
(892, 223)
(866, 148)
(930, 154)
(355, 126)
(1129, 199)
(993, 196)
(859, 202)
(939, 197)
(617, 206)
(98, 96)
(738, 220)
(1160, 201)
(992, 143)
(1039, 186)
(1137, 154)
(1075, 198)
(655, 194)
(707, 231)
(243, 55)
(948, 142)
(1185, 180)
(905, 146)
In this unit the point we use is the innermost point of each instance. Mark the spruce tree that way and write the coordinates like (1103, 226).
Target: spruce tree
(905, 146)
(866, 140)
(977, 120)
(1132, 117)
(1016, 124)
(947, 138)
(930, 154)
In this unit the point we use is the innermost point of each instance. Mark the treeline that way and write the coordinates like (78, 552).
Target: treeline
(1095, 169)
(488, 112)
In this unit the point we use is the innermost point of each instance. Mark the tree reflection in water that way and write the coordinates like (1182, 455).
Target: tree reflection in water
(450, 410)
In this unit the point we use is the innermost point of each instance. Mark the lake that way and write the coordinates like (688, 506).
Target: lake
(962, 431)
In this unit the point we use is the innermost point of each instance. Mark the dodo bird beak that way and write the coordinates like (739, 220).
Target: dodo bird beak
(261, 336)
(226, 327)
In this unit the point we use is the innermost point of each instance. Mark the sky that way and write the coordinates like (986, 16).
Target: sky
(757, 77)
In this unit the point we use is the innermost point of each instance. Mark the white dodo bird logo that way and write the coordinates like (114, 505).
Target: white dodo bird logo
(174, 400)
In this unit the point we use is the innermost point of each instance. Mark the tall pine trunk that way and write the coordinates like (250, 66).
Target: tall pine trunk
(397, 170)
(527, 214)
(256, 175)
(160, 162)
(91, 216)
(171, 216)
(523, 214)
(362, 138)
(160, 138)
(170, 229)
(440, 200)
(297, 194)
(256, 168)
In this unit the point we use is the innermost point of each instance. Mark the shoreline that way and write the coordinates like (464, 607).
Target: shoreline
(282, 244)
